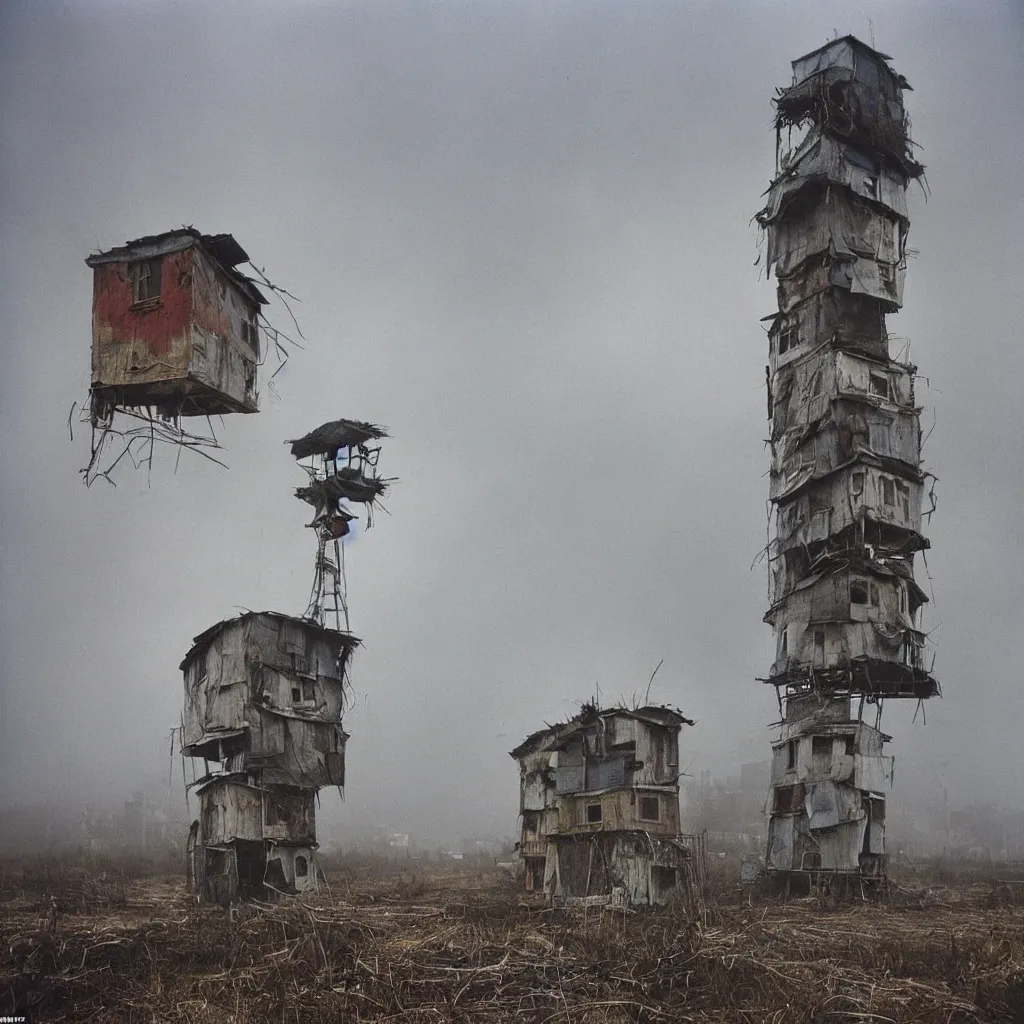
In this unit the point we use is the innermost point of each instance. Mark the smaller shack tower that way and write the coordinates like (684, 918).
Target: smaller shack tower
(265, 694)
(599, 800)
(846, 482)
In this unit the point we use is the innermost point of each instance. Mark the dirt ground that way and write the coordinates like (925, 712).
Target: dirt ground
(90, 944)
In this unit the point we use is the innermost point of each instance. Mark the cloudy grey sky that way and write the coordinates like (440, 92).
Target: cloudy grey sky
(521, 234)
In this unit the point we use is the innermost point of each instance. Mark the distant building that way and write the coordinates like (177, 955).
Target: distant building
(599, 798)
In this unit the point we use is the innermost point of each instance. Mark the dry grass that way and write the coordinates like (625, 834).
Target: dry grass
(83, 945)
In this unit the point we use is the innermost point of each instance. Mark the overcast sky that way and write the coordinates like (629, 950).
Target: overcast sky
(522, 238)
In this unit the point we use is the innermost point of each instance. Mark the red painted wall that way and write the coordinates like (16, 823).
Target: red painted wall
(115, 321)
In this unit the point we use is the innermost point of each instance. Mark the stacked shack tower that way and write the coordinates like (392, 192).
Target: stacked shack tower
(264, 698)
(847, 485)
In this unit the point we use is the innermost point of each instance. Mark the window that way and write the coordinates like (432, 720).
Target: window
(299, 663)
(870, 183)
(145, 279)
(888, 490)
(848, 745)
(250, 334)
(593, 814)
(296, 695)
(791, 755)
(664, 878)
(784, 642)
(650, 808)
(308, 690)
(858, 591)
(878, 385)
(901, 598)
(278, 812)
(873, 593)
(857, 484)
(789, 337)
(903, 495)
(885, 275)
(819, 646)
(301, 867)
(821, 746)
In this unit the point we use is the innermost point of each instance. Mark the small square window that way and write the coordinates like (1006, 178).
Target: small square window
(821, 746)
(593, 814)
(650, 808)
(878, 385)
(664, 878)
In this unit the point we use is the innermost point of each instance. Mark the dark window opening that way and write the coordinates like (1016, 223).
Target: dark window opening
(308, 690)
(145, 278)
(858, 592)
(665, 879)
(791, 754)
(650, 808)
(216, 862)
(857, 484)
(788, 799)
(888, 491)
(789, 337)
(885, 274)
(593, 814)
(301, 867)
(784, 645)
(296, 695)
(299, 663)
(821, 746)
(879, 385)
(848, 745)
(279, 813)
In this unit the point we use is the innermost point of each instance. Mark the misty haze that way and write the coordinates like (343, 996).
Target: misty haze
(521, 238)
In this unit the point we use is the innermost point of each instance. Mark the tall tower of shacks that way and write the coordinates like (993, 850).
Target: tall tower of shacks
(265, 694)
(847, 485)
